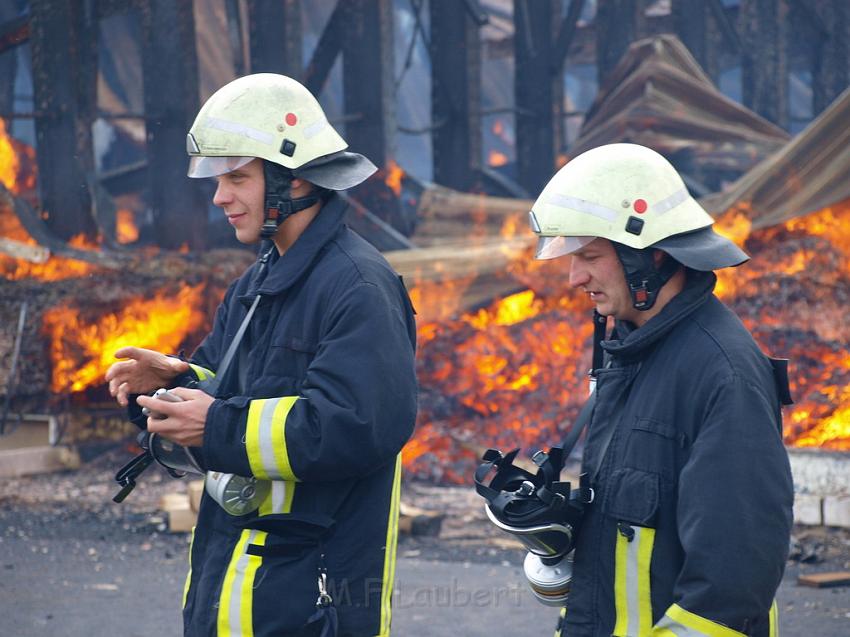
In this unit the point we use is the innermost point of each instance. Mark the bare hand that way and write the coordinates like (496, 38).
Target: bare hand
(184, 422)
(142, 372)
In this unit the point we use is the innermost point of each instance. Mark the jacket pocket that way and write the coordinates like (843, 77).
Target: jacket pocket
(289, 357)
(653, 446)
(633, 505)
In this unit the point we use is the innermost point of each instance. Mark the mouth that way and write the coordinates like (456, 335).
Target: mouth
(234, 219)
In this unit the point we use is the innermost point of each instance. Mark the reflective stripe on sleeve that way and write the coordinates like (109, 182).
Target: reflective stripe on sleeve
(677, 622)
(201, 372)
(279, 499)
(631, 583)
(265, 438)
(774, 619)
(235, 610)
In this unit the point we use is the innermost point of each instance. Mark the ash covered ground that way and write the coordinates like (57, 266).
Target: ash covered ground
(74, 563)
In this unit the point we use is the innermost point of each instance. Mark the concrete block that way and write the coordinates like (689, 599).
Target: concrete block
(808, 509)
(34, 460)
(836, 511)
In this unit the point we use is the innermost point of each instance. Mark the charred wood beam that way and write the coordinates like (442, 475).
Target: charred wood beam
(234, 35)
(455, 94)
(763, 65)
(831, 72)
(725, 25)
(36, 228)
(691, 23)
(14, 31)
(565, 35)
(326, 51)
(8, 63)
(275, 36)
(60, 37)
(534, 92)
(170, 74)
(618, 24)
(367, 74)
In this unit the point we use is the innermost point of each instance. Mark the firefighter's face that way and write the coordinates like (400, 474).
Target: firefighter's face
(597, 270)
(241, 193)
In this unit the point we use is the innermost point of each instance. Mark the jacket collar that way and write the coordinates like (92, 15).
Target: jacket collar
(631, 343)
(286, 270)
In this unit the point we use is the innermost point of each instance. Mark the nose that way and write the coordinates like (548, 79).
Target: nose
(578, 273)
(222, 196)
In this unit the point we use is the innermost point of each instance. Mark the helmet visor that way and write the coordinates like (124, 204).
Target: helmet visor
(200, 167)
(554, 247)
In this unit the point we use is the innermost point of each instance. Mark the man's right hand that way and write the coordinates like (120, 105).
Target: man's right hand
(142, 372)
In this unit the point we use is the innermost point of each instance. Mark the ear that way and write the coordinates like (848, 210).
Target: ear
(296, 183)
(658, 257)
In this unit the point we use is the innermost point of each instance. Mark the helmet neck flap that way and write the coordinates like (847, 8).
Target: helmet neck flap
(644, 279)
(279, 204)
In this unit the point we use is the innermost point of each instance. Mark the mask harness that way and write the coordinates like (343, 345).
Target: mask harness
(279, 204)
(540, 510)
(643, 278)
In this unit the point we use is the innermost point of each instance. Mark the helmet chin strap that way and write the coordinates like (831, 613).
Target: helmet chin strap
(279, 204)
(643, 278)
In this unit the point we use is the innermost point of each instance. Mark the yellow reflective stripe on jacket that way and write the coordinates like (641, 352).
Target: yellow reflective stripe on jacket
(236, 602)
(388, 579)
(631, 583)
(189, 574)
(265, 438)
(774, 619)
(279, 499)
(201, 372)
(561, 618)
(677, 622)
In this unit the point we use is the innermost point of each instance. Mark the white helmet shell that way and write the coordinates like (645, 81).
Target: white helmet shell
(263, 115)
(626, 193)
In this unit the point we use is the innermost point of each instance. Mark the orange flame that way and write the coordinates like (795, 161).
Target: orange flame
(9, 164)
(497, 159)
(395, 173)
(126, 230)
(81, 350)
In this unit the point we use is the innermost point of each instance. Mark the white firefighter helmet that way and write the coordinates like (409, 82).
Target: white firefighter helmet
(275, 118)
(631, 195)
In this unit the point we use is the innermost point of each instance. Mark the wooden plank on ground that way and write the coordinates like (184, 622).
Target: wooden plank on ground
(825, 580)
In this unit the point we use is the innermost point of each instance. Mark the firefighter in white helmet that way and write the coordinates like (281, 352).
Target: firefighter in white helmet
(321, 394)
(688, 532)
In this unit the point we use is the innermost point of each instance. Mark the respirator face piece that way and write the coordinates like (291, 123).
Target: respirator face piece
(541, 512)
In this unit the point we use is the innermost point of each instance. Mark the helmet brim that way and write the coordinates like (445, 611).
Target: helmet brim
(554, 247)
(337, 171)
(201, 167)
(703, 250)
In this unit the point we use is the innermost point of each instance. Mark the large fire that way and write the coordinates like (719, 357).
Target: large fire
(81, 349)
(513, 374)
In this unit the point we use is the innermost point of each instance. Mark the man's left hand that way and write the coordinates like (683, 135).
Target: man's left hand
(184, 421)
